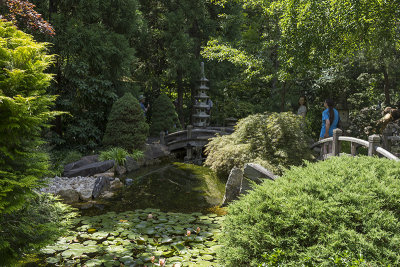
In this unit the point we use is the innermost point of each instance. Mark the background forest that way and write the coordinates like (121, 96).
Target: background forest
(260, 56)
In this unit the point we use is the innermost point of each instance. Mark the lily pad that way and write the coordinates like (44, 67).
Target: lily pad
(207, 257)
(48, 250)
(52, 260)
(93, 263)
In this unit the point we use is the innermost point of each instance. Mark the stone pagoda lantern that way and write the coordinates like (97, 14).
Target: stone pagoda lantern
(202, 106)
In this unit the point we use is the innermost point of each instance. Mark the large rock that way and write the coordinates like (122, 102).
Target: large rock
(232, 187)
(91, 169)
(82, 162)
(155, 151)
(101, 184)
(131, 164)
(254, 173)
(69, 195)
(85, 194)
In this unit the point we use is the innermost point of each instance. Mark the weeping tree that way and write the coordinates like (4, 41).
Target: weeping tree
(164, 116)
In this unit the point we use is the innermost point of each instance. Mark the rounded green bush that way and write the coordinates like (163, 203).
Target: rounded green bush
(274, 140)
(325, 214)
(126, 127)
(164, 116)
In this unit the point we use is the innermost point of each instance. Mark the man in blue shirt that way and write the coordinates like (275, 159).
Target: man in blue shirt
(143, 107)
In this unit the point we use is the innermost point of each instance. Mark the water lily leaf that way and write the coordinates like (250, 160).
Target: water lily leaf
(179, 247)
(89, 242)
(91, 248)
(72, 253)
(132, 236)
(198, 239)
(48, 250)
(206, 234)
(93, 263)
(52, 260)
(168, 253)
(203, 264)
(140, 241)
(197, 214)
(207, 257)
(166, 240)
(126, 260)
(150, 231)
(114, 249)
(141, 225)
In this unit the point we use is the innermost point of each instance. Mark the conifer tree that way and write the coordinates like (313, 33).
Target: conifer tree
(126, 127)
(164, 116)
(24, 111)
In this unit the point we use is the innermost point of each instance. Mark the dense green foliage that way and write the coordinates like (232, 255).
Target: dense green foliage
(126, 126)
(95, 56)
(317, 214)
(164, 116)
(274, 140)
(41, 220)
(24, 111)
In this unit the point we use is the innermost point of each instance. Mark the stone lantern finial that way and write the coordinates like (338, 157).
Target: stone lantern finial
(202, 70)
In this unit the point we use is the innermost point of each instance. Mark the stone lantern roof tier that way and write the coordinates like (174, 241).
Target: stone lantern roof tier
(203, 116)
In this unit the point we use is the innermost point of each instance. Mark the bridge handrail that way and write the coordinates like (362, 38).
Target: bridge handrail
(372, 144)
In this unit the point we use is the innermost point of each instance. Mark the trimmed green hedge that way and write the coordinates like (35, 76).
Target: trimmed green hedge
(126, 127)
(340, 211)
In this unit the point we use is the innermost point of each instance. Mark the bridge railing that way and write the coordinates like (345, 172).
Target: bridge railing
(373, 145)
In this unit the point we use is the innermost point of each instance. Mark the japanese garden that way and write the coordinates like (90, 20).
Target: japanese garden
(199, 133)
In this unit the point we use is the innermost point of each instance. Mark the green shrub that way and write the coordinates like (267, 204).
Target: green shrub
(126, 127)
(341, 210)
(40, 222)
(116, 153)
(137, 154)
(274, 140)
(24, 111)
(164, 116)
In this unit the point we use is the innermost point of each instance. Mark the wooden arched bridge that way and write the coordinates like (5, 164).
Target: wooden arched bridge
(192, 137)
(373, 145)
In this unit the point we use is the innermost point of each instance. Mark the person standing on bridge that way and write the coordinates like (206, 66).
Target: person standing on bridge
(330, 120)
(142, 106)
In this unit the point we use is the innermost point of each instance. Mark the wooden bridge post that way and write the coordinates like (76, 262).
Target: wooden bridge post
(374, 141)
(162, 138)
(336, 144)
(387, 144)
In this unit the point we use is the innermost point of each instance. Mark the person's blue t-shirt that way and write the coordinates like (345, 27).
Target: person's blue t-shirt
(325, 116)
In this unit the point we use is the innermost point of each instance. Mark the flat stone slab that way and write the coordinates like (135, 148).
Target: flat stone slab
(91, 169)
(82, 162)
(255, 171)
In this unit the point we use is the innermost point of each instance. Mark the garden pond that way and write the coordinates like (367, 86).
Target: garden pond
(169, 212)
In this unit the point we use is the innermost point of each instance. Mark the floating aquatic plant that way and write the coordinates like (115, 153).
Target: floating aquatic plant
(141, 237)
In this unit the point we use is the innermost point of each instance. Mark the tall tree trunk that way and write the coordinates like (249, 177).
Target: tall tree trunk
(386, 86)
(52, 8)
(283, 97)
(180, 97)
